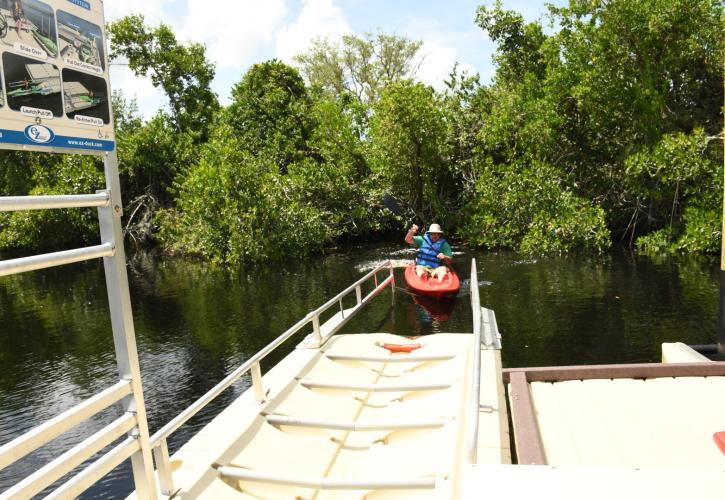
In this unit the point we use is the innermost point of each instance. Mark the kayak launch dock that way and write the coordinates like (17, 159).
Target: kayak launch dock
(352, 419)
(344, 416)
(358, 416)
(355, 420)
(380, 416)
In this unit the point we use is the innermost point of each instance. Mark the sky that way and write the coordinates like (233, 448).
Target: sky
(240, 33)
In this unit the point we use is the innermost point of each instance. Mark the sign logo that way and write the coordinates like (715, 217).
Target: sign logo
(39, 134)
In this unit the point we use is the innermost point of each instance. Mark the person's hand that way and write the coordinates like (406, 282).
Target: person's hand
(414, 229)
(441, 256)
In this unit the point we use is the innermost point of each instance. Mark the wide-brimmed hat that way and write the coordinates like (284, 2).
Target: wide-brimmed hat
(435, 228)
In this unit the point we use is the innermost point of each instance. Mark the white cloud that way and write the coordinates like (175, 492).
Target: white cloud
(149, 98)
(152, 10)
(318, 19)
(233, 31)
(238, 33)
(437, 62)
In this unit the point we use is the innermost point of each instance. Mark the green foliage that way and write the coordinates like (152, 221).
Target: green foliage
(361, 66)
(571, 224)
(270, 112)
(407, 133)
(702, 231)
(625, 98)
(151, 157)
(634, 71)
(527, 207)
(336, 179)
(16, 172)
(676, 160)
(656, 242)
(676, 177)
(54, 229)
(234, 207)
(463, 105)
(699, 232)
(519, 46)
(183, 72)
(155, 155)
(282, 176)
(606, 127)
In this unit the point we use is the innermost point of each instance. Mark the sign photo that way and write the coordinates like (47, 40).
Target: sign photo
(54, 76)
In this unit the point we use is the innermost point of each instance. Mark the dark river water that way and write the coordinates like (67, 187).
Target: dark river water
(195, 324)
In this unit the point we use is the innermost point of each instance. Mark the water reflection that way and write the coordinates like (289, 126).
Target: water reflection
(434, 310)
(195, 324)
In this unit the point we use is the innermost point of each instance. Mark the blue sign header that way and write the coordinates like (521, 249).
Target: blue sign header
(40, 135)
(81, 3)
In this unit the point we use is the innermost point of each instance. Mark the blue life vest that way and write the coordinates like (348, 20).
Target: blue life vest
(428, 251)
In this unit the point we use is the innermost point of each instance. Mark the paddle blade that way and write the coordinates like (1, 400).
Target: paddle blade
(392, 205)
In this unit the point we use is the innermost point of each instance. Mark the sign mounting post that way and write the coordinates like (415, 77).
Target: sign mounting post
(55, 97)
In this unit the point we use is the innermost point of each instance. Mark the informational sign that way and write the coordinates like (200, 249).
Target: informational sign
(54, 72)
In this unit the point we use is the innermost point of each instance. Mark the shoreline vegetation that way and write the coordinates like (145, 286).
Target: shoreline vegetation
(606, 131)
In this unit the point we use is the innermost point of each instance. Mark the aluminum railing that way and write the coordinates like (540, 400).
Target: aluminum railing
(36, 262)
(37, 437)
(320, 333)
(475, 399)
(324, 483)
(127, 391)
(485, 333)
(15, 203)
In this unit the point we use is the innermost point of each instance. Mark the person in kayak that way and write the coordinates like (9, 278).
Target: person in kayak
(434, 252)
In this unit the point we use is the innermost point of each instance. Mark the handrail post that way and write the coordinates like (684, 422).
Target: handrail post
(475, 298)
(257, 383)
(392, 283)
(163, 466)
(358, 294)
(124, 337)
(316, 327)
(475, 399)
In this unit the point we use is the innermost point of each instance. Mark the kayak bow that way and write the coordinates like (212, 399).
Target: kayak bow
(432, 287)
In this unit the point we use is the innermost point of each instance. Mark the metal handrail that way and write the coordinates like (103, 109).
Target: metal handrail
(44, 433)
(475, 398)
(356, 426)
(325, 483)
(128, 391)
(65, 463)
(158, 439)
(17, 203)
(86, 478)
(36, 262)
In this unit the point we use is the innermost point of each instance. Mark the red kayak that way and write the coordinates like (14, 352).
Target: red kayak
(426, 285)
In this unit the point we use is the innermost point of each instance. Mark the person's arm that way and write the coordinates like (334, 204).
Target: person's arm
(445, 258)
(446, 254)
(411, 233)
